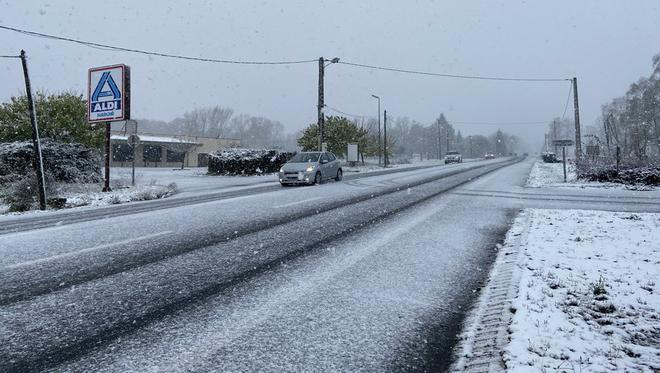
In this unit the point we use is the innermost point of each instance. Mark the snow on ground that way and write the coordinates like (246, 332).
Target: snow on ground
(588, 295)
(551, 174)
(91, 195)
(95, 197)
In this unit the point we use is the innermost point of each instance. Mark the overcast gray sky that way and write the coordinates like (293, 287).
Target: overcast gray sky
(606, 44)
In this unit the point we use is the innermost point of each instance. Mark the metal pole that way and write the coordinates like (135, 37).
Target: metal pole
(554, 131)
(37, 161)
(470, 146)
(576, 108)
(447, 136)
(385, 137)
(437, 123)
(320, 105)
(380, 144)
(133, 167)
(106, 185)
(563, 155)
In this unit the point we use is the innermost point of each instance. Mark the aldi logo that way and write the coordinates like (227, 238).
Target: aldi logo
(108, 94)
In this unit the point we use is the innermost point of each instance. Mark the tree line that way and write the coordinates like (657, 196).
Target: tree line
(631, 122)
(406, 138)
(61, 117)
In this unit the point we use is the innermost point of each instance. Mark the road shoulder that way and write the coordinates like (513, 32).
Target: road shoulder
(582, 294)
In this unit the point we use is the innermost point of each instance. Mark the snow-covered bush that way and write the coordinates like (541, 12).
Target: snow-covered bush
(64, 162)
(237, 161)
(647, 175)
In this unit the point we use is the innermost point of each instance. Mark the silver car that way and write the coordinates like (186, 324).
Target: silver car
(310, 168)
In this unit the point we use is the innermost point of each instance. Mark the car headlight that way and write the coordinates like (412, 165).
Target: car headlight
(310, 168)
(281, 169)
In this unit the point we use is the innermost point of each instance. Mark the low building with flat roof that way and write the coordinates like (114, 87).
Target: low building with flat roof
(166, 150)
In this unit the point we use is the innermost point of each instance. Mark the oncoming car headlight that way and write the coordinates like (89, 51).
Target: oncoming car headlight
(281, 169)
(310, 168)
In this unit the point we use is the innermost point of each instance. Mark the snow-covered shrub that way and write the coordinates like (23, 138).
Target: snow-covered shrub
(65, 162)
(62, 162)
(647, 175)
(237, 161)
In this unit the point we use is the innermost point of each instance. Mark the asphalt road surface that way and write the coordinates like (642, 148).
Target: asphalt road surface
(373, 273)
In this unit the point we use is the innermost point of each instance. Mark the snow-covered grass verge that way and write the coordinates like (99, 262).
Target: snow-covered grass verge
(588, 296)
(116, 196)
(552, 175)
(79, 195)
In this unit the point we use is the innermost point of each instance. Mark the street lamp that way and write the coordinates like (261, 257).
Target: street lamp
(379, 143)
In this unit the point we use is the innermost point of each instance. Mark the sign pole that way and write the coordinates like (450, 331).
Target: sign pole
(106, 186)
(563, 155)
(133, 169)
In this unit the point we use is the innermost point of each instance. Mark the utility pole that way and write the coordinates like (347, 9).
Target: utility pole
(379, 144)
(447, 136)
(321, 119)
(576, 107)
(37, 160)
(470, 146)
(385, 137)
(554, 131)
(437, 124)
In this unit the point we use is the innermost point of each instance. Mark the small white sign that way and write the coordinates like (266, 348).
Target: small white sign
(108, 93)
(352, 153)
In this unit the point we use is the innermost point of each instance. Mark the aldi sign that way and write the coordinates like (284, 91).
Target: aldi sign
(108, 94)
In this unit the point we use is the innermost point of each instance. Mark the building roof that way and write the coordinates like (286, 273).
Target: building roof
(155, 139)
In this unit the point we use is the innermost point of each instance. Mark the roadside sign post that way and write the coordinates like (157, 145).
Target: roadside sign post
(108, 100)
(563, 144)
(563, 156)
(133, 142)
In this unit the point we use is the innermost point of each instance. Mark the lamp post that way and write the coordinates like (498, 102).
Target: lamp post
(379, 144)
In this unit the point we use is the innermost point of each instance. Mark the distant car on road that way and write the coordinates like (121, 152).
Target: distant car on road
(310, 168)
(453, 157)
(489, 156)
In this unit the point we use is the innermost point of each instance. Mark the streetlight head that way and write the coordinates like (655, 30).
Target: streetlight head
(374, 96)
(335, 60)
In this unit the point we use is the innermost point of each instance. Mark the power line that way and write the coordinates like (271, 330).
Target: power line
(475, 77)
(151, 53)
(499, 123)
(350, 115)
(10, 56)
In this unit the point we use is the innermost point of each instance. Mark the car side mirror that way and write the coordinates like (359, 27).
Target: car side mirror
(324, 161)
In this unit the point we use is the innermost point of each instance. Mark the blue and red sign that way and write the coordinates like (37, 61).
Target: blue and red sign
(108, 94)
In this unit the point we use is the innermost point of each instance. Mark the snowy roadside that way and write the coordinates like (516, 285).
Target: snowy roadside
(587, 293)
(552, 175)
(90, 195)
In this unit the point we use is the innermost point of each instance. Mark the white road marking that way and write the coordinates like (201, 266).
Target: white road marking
(74, 253)
(297, 202)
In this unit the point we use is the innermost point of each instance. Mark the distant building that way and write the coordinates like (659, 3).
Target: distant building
(166, 150)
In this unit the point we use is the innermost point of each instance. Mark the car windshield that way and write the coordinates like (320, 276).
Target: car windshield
(305, 157)
(452, 153)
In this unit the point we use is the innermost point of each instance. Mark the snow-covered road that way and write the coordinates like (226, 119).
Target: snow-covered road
(369, 275)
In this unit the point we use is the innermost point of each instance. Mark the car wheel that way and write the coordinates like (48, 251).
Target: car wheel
(318, 179)
(340, 175)
(284, 185)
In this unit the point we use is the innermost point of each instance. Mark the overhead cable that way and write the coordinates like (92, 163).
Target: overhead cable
(151, 53)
